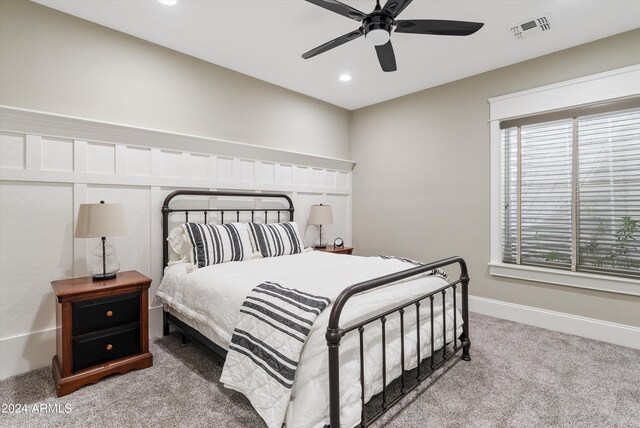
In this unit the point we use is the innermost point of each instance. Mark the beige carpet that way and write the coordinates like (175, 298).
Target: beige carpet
(519, 376)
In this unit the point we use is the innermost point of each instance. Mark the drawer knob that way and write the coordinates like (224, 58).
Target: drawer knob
(109, 347)
(109, 313)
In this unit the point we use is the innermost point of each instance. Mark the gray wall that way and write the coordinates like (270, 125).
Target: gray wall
(55, 62)
(421, 186)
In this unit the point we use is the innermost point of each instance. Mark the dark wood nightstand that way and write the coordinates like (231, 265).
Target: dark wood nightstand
(102, 329)
(336, 250)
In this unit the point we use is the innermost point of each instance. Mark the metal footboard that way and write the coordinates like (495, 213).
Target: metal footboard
(335, 333)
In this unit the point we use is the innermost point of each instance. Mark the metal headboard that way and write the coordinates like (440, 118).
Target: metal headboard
(166, 210)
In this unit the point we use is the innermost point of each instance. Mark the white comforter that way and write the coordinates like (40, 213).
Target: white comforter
(212, 296)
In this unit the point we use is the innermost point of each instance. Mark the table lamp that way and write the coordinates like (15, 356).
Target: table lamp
(99, 221)
(320, 214)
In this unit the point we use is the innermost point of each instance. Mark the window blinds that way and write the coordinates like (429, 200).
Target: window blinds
(571, 193)
(609, 198)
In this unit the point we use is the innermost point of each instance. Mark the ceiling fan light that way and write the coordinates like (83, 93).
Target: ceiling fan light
(378, 36)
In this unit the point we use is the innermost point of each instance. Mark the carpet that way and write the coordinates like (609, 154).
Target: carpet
(519, 376)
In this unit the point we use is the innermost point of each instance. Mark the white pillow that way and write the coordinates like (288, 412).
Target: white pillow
(179, 246)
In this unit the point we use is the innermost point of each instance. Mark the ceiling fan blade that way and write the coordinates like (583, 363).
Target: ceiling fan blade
(395, 7)
(333, 43)
(386, 57)
(340, 8)
(438, 27)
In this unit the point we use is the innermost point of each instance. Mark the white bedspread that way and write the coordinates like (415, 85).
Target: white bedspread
(212, 296)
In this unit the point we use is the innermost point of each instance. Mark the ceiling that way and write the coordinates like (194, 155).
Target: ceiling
(266, 38)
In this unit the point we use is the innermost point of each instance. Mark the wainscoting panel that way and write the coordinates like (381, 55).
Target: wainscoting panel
(266, 173)
(12, 150)
(36, 221)
(225, 169)
(101, 158)
(57, 154)
(138, 161)
(283, 174)
(46, 175)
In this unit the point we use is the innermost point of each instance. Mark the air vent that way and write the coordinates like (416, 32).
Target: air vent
(528, 28)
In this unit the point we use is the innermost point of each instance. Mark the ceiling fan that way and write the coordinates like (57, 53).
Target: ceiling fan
(377, 26)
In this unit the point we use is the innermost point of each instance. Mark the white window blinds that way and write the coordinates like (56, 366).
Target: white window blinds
(571, 193)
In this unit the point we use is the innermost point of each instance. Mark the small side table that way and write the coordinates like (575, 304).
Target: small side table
(102, 329)
(336, 250)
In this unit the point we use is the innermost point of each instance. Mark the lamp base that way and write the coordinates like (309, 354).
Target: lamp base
(103, 276)
(320, 246)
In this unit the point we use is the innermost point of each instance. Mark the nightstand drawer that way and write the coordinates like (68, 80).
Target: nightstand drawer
(95, 348)
(92, 315)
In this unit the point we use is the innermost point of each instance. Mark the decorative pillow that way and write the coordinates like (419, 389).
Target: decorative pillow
(219, 243)
(277, 239)
(180, 247)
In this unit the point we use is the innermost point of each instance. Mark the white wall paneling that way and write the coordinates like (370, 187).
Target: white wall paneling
(80, 156)
(138, 161)
(121, 159)
(46, 175)
(301, 176)
(171, 164)
(12, 150)
(57, 154)
(283, 174)
(225, 169)
(198, 166)
(36, 246)
(266, 173)
(33, 152)
(247, 170)
(315, 177)
(101, 158)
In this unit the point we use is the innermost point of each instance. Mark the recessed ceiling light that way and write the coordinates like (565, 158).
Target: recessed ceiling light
(168, 2)
(345, 77)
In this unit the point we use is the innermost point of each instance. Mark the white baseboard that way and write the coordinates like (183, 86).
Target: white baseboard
(31, 351)
(155, 322)
(619, 334)
(27, 352)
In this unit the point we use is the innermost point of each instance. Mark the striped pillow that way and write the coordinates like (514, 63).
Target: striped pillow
(277, 239)
(218, 243)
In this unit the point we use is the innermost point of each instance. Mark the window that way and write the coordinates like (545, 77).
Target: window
(571, 190)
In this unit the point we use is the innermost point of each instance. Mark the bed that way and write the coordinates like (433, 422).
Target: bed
(365, 340)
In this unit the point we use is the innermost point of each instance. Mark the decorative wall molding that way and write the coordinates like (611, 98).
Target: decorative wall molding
(51, 164)
(62, 126)
(618, 334)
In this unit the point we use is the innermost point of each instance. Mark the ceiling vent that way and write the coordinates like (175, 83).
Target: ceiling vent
(528, 28)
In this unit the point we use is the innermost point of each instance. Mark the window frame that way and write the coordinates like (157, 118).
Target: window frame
(611, 86)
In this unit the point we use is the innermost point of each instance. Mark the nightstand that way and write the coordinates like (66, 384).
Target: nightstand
(102, 329)
(336, 250)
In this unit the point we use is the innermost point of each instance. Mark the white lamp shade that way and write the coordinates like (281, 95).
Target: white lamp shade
(321, 214)
(98, 220)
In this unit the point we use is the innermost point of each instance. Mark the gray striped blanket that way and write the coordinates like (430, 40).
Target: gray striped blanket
(436, 272)
(266, 345)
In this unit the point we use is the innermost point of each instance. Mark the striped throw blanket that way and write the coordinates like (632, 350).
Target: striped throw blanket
(266, 345)
(436, 272)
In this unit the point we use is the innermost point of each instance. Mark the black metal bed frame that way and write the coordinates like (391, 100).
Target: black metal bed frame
(335, 333)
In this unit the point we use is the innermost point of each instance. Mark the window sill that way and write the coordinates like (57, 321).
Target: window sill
(590, 281)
